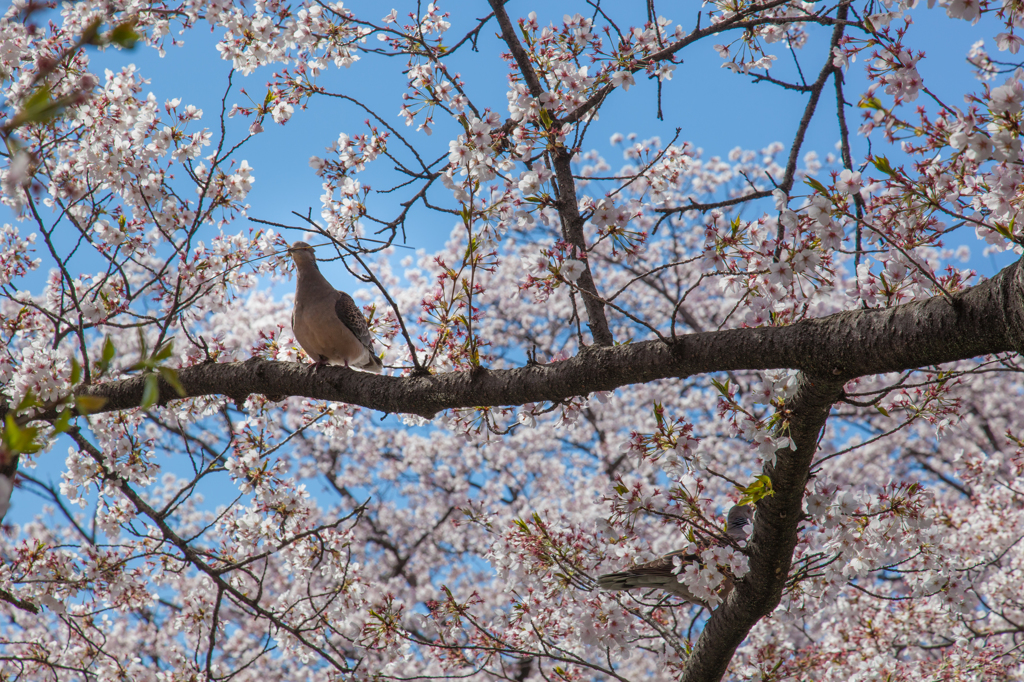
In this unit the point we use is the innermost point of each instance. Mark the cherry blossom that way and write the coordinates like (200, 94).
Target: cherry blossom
(608, 345)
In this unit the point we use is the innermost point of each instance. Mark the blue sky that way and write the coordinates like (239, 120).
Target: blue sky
(715, 109)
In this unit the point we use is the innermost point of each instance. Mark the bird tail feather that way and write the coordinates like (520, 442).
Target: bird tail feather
(613, 581)
(373, 365)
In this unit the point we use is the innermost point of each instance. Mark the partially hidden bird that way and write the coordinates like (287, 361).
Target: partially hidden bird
(326, 322)
(658, 574)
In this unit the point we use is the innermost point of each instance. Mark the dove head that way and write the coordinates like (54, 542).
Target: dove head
(302, 254)
(738, 521)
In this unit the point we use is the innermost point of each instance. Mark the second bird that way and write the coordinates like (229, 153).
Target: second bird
(663, 573)
(326, 322)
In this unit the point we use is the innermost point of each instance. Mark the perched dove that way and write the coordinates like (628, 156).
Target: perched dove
(326, 322)
(658, 574)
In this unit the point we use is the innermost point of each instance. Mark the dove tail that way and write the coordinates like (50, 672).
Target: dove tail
(613, 581)
(373, 364)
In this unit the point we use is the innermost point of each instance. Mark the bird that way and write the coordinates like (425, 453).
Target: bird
(660, 573)
(326, 322)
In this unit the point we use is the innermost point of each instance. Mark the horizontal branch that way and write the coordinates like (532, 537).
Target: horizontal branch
(985, 319)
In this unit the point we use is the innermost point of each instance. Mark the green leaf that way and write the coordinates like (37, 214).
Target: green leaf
(19, 439)
(722, 388)
(63, 422)
(818, 187)
(143, 346)
(759, 489)
(882, 164)
(164, 351)
(87, 404)
(37, 102)
(76, 371)
(151, 391)
(28, 401)
(170, 375)
(870, 103)
(38, 108)
(125, 35)
(89, 35)
(107, 355)
(882, 410)
(621, 489)
(151, 362)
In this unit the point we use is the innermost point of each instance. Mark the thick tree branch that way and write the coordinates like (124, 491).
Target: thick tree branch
(774, 538)
(985, 319)
(568, 204)
(572, 232)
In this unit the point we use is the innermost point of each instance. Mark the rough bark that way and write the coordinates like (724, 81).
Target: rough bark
(774, 537)
(985, 319)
